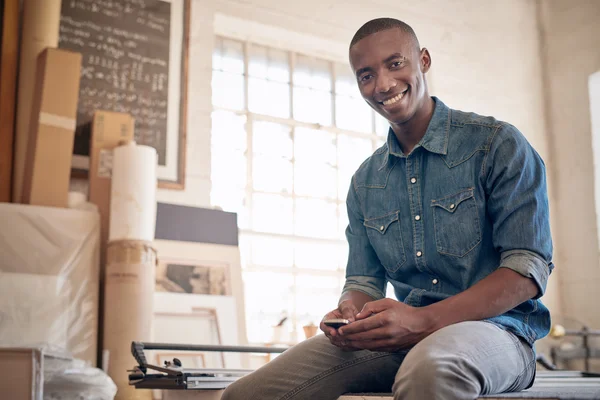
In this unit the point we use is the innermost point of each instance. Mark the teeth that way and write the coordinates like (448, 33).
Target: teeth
(393, 99)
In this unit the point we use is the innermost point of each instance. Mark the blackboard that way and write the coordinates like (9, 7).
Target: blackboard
(126, 67)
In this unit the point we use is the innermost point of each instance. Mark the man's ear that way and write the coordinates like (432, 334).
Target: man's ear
(425, 59)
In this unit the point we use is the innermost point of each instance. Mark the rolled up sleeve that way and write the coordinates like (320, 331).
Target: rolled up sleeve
(529, 265)
(518, 206)
(364, 271)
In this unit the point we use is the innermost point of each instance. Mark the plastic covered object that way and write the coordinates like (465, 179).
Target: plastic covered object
(74, 380)
(49, 279)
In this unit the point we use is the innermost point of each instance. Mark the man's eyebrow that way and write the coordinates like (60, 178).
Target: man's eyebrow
(394, 56)
(361, 71)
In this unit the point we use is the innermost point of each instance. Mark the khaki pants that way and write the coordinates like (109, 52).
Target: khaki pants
(461, 361)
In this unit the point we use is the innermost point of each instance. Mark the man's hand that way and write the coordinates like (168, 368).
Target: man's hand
(386, 325)
(346, 310)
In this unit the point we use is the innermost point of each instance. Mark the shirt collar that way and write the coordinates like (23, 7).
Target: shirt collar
(435, 139)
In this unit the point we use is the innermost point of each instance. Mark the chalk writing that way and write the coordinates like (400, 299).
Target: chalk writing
(125, 66)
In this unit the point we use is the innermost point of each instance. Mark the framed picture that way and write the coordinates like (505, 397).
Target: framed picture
(135, 60)
(203, 324)
(193, 276)
(199, 319)
(182, 265)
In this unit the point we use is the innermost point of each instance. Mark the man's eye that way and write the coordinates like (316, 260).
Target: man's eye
(396, 64)
(365, 78)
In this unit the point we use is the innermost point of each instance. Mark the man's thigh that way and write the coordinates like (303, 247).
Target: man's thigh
(316, 369)
(470, 358)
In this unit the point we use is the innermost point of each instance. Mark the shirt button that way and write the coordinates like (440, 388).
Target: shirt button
(418, 217)
(452, 206)
(413, 180)
(435, 281)
(419, 254)
(381, 227)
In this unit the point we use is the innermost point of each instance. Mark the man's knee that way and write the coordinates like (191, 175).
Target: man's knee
(235, 391)
(427, 371)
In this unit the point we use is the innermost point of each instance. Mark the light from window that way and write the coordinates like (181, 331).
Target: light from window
(288, 133)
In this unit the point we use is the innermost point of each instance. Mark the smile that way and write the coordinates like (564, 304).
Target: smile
(394, 99)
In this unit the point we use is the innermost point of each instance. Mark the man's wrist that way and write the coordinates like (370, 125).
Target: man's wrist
(432, 320)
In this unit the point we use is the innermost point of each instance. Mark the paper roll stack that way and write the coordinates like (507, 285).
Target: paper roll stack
(131, 262)
(133, 193)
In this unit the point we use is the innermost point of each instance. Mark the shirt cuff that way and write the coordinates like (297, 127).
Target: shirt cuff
(528, 264)
(367, 284)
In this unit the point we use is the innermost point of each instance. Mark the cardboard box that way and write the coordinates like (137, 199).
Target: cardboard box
(21, 375)
(52, 129)
(108, 129)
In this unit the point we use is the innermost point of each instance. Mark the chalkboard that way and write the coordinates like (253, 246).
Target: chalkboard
(127, 48)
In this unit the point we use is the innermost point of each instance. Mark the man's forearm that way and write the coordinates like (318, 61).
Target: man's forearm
(359, 299)
(494, 295)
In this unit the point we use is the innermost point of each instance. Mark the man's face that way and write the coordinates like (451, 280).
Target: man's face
(390, 70)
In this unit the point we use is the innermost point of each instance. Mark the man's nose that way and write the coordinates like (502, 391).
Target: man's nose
(384, 83)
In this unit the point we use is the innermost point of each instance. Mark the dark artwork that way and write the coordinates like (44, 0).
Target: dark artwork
(125, 66)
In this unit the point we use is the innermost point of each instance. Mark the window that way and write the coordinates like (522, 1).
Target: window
(288, 132)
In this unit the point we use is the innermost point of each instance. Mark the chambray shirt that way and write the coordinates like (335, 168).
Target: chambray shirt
(470, 198)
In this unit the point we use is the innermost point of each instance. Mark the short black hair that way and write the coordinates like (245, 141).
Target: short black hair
(381, 24)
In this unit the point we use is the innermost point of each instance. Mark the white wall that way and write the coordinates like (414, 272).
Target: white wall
(571, 52)
(486, 58)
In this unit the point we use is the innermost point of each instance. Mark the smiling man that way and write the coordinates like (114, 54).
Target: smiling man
(453, 212)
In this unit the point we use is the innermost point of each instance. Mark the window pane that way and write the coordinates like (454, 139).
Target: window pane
(352, 113)
(313, 73)
(228, 167)
(316, 218)
(269, 98)
(272, 213)
(279, 66)
(228, 90)
(353, 151)
(315, 179)
(313, 106)
(268, 64)
(228, 55)
(272, 174)
(273, 139)
(382, 126)
(345, 82)
(342, 222)
(317, 304)
(344, 180)
(316, 255)
(272, 252)
(315, 145)
(228, 130)
(245, 250)
(232, 200)
(268, 292)
(307, 283)
(343, 253)
(258, 61)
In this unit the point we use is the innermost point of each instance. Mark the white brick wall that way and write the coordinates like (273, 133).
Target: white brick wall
(486, 58)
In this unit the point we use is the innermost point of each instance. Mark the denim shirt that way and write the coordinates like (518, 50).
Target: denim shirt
(470, 198)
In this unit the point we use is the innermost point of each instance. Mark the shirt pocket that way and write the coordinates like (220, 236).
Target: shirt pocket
(386, 238)
(456, 221)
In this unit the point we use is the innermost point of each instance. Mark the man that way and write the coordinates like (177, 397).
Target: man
(453, 212)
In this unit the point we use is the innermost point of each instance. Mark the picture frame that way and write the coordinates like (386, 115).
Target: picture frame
(199, 319)
(179, 275)
(135, 60)
(232, 321)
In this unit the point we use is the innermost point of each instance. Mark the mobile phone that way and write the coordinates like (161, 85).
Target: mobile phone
(336, 323)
